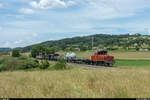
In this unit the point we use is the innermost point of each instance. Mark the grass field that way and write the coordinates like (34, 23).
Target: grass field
(129, 78)
(132, 63)
(114, 82)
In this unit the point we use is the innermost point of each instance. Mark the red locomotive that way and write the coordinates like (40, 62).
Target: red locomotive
(102, 58)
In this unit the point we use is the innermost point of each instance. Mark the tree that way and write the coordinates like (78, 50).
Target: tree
(34, 52)
(101, 46)
(37, 50)
(15, 53)
(50, 50)
(83, 48)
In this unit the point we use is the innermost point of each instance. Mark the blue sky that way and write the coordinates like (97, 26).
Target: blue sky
(26, 22)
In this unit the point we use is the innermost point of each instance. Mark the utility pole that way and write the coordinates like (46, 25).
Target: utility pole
(92, 42)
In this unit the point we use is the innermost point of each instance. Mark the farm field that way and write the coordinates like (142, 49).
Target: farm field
(131, 55)
(113, 82)
(139, 63)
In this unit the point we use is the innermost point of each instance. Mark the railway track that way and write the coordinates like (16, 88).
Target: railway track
(85, 65)
(100, 59)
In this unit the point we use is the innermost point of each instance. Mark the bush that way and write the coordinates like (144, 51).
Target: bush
(60, 64)
(44, 64)
(1, 60)
(23, 58)
(10, 63)
(28, 64)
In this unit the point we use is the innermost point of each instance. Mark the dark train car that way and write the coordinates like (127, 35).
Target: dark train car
(102, 58)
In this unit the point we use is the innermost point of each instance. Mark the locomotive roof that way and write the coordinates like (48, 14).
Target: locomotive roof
(102, 50)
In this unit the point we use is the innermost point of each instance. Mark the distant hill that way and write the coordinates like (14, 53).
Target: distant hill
(99, 40)
(5, 49)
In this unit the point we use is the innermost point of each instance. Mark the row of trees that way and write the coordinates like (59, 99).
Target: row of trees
(35, 51)
(41, 50)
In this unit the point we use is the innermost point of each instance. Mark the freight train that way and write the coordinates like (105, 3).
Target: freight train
(100, 58)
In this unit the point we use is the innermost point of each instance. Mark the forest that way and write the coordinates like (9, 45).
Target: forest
(103, 41)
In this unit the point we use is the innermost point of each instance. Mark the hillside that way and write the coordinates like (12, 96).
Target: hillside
(112, 42)
(5, 49)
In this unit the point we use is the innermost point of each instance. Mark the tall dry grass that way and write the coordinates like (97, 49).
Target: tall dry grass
(112, 82)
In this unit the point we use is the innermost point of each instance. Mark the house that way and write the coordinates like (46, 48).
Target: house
(77, 49)
(10, 53)
(40, 56)
(95, 48)
(143, 49)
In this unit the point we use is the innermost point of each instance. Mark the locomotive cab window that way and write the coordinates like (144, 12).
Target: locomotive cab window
(102, 52)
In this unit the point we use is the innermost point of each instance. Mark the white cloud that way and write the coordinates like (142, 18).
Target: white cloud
(34, 35)
(110, 9)
(1, 5)
(18, 42)
(19, 16)
(148, 31)
(26, 11)
(7, 44)
(45, 4)
(1, 28)
(12, 44)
